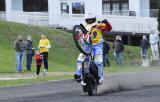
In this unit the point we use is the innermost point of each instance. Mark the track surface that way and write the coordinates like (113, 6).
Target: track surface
(70, 91)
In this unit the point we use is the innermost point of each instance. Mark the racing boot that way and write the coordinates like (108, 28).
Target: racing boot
(77, 78)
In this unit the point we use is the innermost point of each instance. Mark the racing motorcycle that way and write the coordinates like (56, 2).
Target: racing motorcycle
(90, 77)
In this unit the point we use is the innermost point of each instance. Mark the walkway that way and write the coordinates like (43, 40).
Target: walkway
(29, 75)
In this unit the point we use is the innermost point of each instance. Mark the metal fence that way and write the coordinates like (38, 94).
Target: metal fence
(120, 23)
(38, 18)
(120, 13)
(150, 12)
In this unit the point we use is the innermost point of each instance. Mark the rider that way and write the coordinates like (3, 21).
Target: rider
(95, 30)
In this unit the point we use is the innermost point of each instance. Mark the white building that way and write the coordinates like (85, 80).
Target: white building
(136, 16)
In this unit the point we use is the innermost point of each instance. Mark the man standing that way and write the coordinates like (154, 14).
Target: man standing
(144, 44)
(154, 39)
(118, 49)
(44, 46)
(19, 46)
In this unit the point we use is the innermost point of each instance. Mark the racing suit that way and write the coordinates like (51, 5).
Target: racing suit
(96, 30)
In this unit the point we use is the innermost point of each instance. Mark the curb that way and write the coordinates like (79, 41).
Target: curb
(30, 84)
(5, 79)
(30, 76)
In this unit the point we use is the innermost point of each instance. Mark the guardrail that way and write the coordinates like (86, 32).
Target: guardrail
(149, 12)
(120, 13)
(132, 24)
(38, 18)
(120, 23)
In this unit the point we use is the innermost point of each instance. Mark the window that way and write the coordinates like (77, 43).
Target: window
(35, 5)
(115, 5)
(64, 8)
(154, 4)
(2, 5)
(124, 6)
(78, 8)
(106, 7)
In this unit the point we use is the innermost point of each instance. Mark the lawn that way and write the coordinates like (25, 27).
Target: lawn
(62, 55)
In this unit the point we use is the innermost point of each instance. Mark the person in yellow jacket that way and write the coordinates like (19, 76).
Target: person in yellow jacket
(44, 46)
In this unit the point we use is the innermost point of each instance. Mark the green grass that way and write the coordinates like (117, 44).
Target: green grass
(62, 55)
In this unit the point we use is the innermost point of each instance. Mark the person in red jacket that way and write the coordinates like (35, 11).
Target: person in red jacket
(38, 59)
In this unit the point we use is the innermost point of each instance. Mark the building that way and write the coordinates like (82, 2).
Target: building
(126, 16)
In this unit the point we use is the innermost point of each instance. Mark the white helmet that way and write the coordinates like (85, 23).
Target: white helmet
(118, 37)
(90, 15)
(90, 18)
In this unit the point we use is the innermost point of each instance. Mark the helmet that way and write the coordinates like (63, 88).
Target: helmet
(90, 18)
(118, 37)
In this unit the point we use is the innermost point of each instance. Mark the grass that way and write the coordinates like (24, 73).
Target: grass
(62, 55)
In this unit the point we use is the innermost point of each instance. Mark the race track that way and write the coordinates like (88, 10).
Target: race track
(70, 91)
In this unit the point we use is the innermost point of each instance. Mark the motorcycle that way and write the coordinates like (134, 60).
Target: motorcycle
(90, 77)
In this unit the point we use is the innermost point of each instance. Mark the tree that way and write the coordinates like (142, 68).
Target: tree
(158, 19)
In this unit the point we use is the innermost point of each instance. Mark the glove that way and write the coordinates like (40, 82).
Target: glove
(105, 21)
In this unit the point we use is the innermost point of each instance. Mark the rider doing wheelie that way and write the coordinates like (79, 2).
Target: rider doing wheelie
(95, 30)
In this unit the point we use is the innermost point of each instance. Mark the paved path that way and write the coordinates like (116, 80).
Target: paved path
(29, 75)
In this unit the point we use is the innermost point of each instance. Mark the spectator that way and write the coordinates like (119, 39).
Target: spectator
(38, 59)
(154, 40)
(106, 48)
(19, 46)
(44, 46)
(144, 44)
(118, 49)
(29, 52)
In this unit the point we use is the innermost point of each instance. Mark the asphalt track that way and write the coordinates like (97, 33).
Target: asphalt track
(70, 91)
